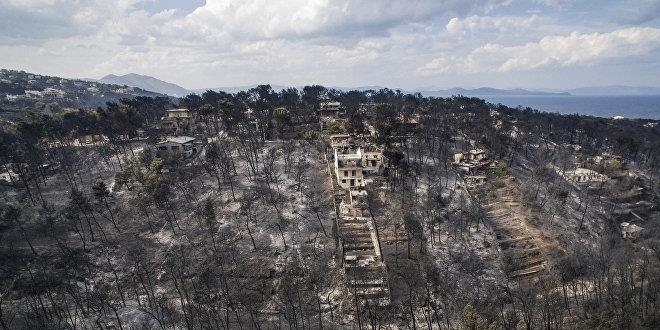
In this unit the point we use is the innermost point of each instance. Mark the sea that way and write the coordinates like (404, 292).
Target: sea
(644, 107)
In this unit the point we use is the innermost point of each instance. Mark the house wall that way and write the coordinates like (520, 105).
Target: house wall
(372, 161)
(350, 177)
(171, 147)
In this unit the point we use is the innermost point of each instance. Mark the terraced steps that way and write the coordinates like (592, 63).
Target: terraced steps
(515, 241)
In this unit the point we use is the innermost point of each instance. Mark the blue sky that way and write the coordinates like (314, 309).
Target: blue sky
(413, 44)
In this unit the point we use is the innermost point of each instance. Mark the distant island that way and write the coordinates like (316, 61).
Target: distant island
(486, 91)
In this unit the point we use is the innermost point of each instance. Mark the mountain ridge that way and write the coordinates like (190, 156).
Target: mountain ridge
(145, 82)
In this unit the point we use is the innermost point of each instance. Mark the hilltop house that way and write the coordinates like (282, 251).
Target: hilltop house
(348, 168)
(178, 145)
(176, 119)
(53, 92)
(473, 159)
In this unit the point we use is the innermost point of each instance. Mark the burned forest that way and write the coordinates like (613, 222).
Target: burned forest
(317, 208)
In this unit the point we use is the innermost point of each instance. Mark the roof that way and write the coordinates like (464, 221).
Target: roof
(584, 171)
(179, 139)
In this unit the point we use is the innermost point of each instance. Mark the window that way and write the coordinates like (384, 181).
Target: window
(353, 173)
(345, 173)
(343, 181)
(162, 148)
(174, 147)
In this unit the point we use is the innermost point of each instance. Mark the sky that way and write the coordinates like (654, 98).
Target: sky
(409, 44)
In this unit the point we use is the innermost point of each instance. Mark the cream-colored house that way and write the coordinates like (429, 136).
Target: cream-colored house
(348, 168)
(372, 160)
(330, 107)
(176, 118)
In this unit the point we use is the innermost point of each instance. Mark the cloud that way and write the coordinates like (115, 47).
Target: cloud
(573, 49)
(478, 24)
(267, 19)
(25, 21)
(556, 3)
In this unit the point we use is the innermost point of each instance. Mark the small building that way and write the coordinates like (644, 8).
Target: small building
(331, 108)
(466, 167)
(584, 175)
(52, 92)
(476, 155)
(373, 160)
(470, 161)
(92, 139)
(407, 123)
(176, 119)
(606, 159)
(178, 145)
(340, 140)
(348, 168)
(630, 230)
(33, 94)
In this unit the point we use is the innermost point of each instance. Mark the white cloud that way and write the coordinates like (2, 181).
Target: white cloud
(567, 50)
(29, 20)
(556, 3)
(267, 19)
(478, 24)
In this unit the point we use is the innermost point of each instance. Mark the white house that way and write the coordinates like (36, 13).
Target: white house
(182, 145)
(53, 92)
(348, 168)
(330, 108)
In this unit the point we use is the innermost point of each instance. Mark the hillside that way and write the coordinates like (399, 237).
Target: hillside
(145, 82)
(21, 91)
(396, 211)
